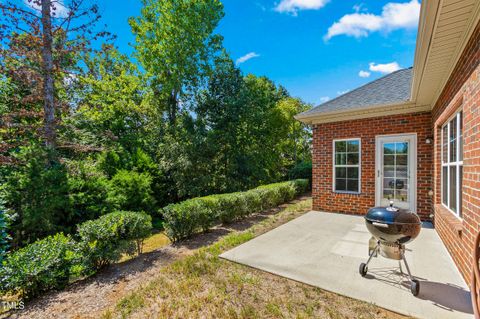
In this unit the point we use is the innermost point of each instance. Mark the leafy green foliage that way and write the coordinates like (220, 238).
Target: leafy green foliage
(4, 237)
(301, 170)
(36, 197)
(130, 190)
(39, 267)
(175, 45)
(88, 191)
(104, 240)
(199, 214)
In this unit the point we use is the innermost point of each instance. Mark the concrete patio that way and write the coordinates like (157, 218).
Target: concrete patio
(325, 250)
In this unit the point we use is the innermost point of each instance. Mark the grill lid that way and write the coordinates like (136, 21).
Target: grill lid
(392, 215)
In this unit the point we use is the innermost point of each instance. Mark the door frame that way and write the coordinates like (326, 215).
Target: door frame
(412, 137)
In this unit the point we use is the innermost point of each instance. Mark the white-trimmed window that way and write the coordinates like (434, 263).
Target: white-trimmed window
(452, 163)
(346, 168)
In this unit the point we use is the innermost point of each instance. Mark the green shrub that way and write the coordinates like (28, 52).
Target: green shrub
(38, 267)
(199, 214)
(4, 237)
(35, 196)
(88, 191)
(130, 190)
(302, 170)
(104, 240)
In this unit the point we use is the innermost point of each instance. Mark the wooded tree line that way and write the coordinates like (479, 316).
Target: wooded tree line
(85, 129)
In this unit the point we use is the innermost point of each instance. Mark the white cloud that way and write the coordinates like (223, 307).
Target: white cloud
(342, 92)
(363, 74)
(247, 57)
(60, 11)
(384, 68)
(293, 6)
(324, 99)
(394, 16)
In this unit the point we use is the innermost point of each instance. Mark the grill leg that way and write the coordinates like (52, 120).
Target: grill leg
(400, 266)
(406, 266)
(373, 253)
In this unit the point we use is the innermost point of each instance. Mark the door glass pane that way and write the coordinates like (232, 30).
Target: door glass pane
(389, 148)
(453, 188)
(401, 171)
(396, 174)
(401, 148)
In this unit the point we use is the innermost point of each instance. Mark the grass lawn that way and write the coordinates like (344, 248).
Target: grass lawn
(204, 286)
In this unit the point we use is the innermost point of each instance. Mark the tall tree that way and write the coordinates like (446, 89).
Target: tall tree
(175, 45)
(44, 38)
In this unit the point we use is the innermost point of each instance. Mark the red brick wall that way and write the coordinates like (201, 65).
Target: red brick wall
(462, 91)
(324, 199)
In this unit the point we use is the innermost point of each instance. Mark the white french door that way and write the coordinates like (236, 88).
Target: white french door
(396, 171)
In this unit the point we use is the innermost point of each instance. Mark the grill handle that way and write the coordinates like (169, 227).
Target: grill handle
(380, 224)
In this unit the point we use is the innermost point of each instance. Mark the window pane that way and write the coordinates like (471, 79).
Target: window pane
(352, 185)
(460, 139)
(352, 173)
(340, 184)
(352, 159)
(389, 171)
(341, 172)
(401, 171)
(402, 159)
(445, 144)
(445, 185)
(389, 148)
(389, 183)
(453, 140)
(388, 194)
(341, 159)
(340, 146)
(453, 188)
(389, 160)
(401, 183)
(461, 191)
(401, 195)
(353, 146)
(402, 148)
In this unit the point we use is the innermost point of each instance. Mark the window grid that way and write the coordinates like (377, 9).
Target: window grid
(345, 155)
(452, 164)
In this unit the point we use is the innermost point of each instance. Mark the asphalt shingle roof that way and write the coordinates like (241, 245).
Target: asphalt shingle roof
(390, 89)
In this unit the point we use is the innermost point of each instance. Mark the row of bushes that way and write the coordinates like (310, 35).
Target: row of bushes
(51, 263)
(183, 219)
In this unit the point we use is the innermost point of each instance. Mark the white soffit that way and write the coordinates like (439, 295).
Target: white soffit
(444, 30)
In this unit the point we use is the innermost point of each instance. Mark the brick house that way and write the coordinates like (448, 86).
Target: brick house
(412, 136)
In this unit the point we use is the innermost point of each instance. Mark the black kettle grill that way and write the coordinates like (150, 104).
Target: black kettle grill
(391, 229)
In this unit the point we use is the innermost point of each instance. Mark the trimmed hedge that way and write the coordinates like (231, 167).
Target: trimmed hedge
(104, 240)
(52, 262)
(199, 214)
(38, 267)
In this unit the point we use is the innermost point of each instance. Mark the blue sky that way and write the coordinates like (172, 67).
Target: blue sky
(315, 48)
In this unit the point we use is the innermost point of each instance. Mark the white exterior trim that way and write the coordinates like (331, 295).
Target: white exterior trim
(359, 165)
(412, 138)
